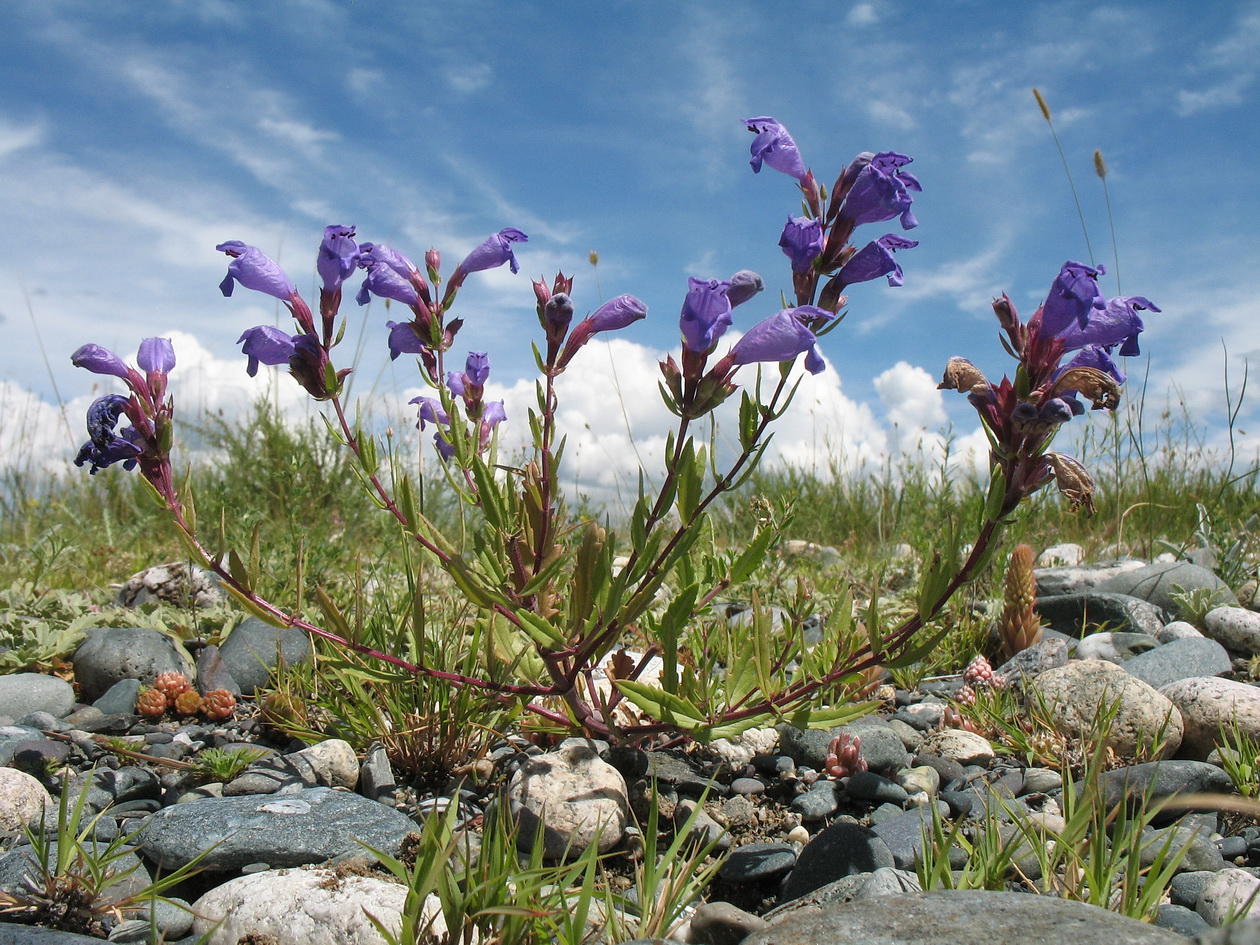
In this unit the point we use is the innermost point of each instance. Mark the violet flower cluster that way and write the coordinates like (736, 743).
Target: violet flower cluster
(1022, 415)
(146, 441)
(873, 188)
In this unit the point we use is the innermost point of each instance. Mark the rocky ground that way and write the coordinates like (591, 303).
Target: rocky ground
(813, 855)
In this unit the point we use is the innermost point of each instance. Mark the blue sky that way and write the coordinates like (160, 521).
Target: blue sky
(135, 137)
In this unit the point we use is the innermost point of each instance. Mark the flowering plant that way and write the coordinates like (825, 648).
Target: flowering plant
(558, 598)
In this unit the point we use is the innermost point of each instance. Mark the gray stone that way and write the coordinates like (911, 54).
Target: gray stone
(110, 654)
(1158, 582)
(213, 674)
(307, 826)
(176, 582)
(704, 829)
(681, 776)
(755, 862)
(1115, 647)
(1208, 704)
(1031, 662)
(1230, 894)
(1179, 919)
(806, 747)
(254, 650)
(1234, 627)
(113, 787)
(1179, 659)
(22, 861)
(376, 776)
(1077, 579)
(720, 923)
(1201, 854)
(967, 748)
(11, 934)
(24, 693)
(120, 698)
(818, 803)
(1158, 780)
(1074, 694)
(904, 834)
(1077, 615)
(839, 850)
(1246, 932)
(869, 786)
(960, 917)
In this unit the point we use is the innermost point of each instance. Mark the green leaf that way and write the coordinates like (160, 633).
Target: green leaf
(540, 629)
(754, 555)
(254, 610)
(912, 655)
(808, 717)
(488, 495)
(677, 616)
(406, 501)
(661, 705)
(332, 613)
(240, 573)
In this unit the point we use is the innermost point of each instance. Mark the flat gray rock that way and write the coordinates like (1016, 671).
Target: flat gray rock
(838, 851)
(307, 826)
(1077, 615)
(960, 918)
(24, 693)
(1158, 583)
(1179, 659)
(254, 649)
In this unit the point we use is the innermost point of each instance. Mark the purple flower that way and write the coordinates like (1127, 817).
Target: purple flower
(456, 383)
(104, 447)
(802, 241)
(99, 360)
(780, 337)
(1073, 300)
(253, 269)
(617, 313)
(477, 368)
(744, 285)
(379, 252)
(265, 344)
(875, 259)
(814, 362)
(880, 191)
(403, 339)
(495, 251)
(156, 355)
(706, 313)
(430, 411)
(384, 281)
(775, 147)
(1117, 323)
(444, 447)
(338, 256)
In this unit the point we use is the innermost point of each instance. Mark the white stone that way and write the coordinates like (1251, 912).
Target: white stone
(1229, 893)
(1208, 703)
(958, 744)
(1235, 628)
(1077, 692)
(306, 907)
(1178, 630)
(739, 750)
(23, 800)
(579, 797)
(1065, 555)
(335, 762)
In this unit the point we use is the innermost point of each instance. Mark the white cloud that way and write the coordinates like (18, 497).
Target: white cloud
(862, 14)
(15, 137)
(469, 77)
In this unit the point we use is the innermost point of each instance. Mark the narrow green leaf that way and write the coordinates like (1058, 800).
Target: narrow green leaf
(332, 613)
(238, 570)
(540, 629)
(664, 706)
(752, 557)
(810, 717)
(677, 615)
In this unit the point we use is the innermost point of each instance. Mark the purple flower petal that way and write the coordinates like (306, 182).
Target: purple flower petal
(781, 337)
(802, 242)
(493, 414)
(156, 355)
(385, 282)
(880, 192)
(617, 313)
(706, 313)
(430, 411)
(265, 344)
(403, 340)
(99, 360)
(379, 252)
(253, 269)
(744, 285)
(875, 259)
(1073, 300)
(477, 368)
(495, 251)
(1117, 323)
(775, 147)
(338, 256)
